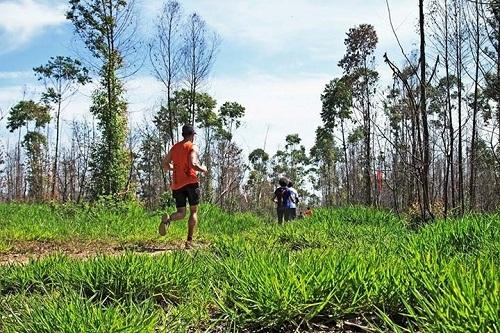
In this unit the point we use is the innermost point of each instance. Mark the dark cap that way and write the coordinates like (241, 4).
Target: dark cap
(187, 130)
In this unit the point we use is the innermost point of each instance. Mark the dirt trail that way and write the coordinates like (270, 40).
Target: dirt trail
(22, 252)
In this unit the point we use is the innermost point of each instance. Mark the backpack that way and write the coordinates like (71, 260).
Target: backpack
(282, 195)
(290, 198)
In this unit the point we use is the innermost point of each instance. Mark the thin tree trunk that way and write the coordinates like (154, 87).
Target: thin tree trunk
(56, 153)
(367, 162)
(423, 111)
(450, 162)
(18, 182)
(460, 135)
(472, 188)
(344, 146)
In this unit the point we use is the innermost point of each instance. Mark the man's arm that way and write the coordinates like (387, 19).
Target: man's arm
(194, 161)
(167, 162)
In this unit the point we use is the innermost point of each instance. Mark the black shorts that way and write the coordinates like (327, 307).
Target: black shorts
(190, 192)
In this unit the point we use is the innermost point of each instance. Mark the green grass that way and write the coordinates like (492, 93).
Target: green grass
(255, 276)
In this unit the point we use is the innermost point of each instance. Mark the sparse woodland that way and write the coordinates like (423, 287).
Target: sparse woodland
(403, 180)
(427, 143)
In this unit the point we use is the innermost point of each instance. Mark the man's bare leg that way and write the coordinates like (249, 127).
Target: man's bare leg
(165, 220)
(193, 220)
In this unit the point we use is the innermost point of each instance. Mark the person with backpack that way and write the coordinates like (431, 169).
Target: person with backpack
(279, 198)
(291, 202)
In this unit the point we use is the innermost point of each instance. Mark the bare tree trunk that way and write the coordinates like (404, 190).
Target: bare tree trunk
(473, 148)
(458, 54)
(56, 153)
(425, 127)
(367, 161)
(19, 177)
(367, 152)
(450, 161)
(344, 147)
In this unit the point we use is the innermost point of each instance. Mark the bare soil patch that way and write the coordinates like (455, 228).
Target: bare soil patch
(21, 252)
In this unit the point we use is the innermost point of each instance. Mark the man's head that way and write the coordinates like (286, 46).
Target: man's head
(188, 132)
(290, 184)
(283, 181)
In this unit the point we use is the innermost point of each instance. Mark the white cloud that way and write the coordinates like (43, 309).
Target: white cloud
(284, 104)
(315, 25)
(22, 20)
(16, 75)
(9, 95)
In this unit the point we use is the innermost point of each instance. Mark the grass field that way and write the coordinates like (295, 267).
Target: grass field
(343, 270)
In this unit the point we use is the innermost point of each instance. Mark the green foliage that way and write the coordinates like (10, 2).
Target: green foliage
(102, 26)
(293, 161)
(61, 75)
(230, 114)
(110, 160)
(94, 21)
(21, 115)
(26, 111)
(356, 135)
(337, 102)
(259, 159)
(324, 153)
(360, 42)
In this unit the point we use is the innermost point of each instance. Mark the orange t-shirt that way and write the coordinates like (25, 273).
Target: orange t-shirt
(183, 173)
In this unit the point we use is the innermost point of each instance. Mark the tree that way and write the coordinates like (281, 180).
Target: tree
(440, 18)
(21, 115)
(179, 104)
(198, 57)
(417, 100)
(324, 155)
(258, 185)
(358, 63)
(427, 214)
(229, 163)
(209, 122)
(293, 161)
(61, 77)
(166, 57)
(476, 27)
(230, 114)
(459, 39)
(107, 29)
(337, 102)
(149, 167)
(492, 79)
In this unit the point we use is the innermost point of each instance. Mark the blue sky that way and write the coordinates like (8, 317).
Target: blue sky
(274, 59)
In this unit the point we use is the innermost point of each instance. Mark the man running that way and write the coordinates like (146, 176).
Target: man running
(182, 159)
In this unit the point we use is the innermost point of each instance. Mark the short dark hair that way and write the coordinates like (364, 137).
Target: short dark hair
(283, 181)
(187, 130)
(290, 183)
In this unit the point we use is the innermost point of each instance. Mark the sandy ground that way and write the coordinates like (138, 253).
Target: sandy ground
(21, 252)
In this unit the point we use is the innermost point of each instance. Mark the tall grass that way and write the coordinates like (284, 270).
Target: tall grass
(352, 264)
